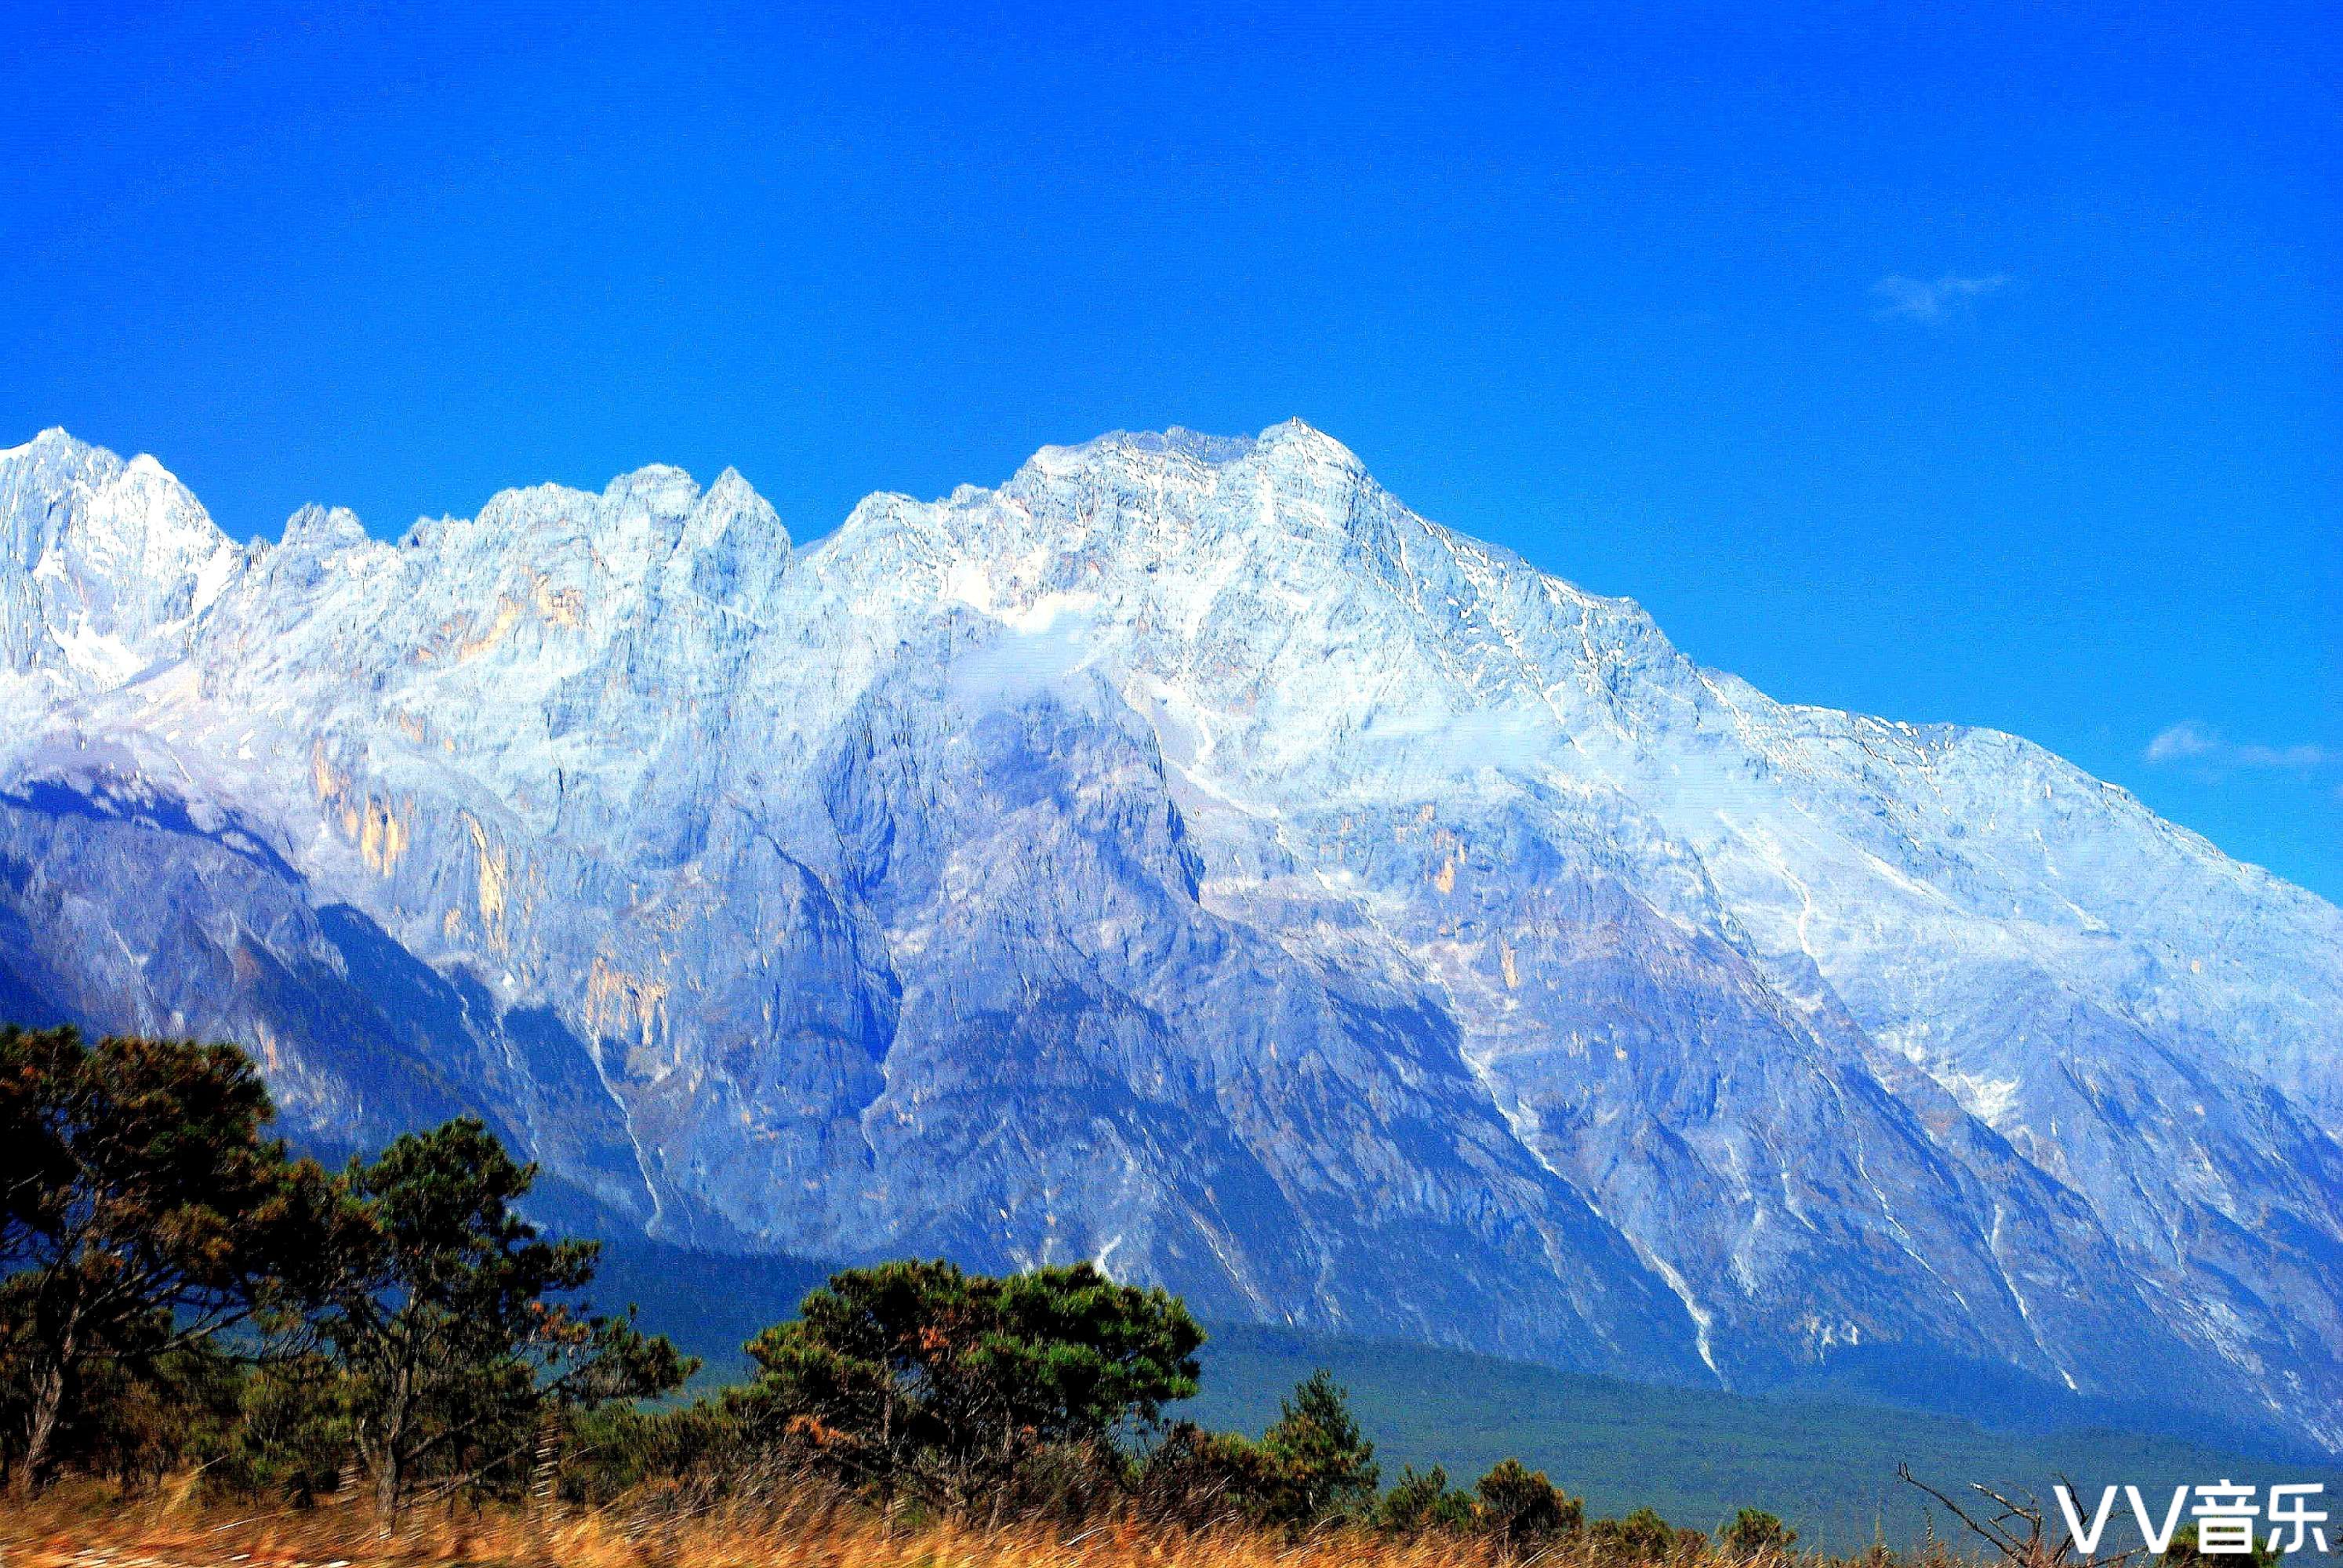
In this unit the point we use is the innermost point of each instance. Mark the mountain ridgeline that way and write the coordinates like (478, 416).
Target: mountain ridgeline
(1187, 858)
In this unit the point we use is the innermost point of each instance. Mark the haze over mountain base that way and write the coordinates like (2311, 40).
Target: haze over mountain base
(1184, 856)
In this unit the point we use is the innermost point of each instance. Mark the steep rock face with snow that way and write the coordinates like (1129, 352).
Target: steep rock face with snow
(1186, 857)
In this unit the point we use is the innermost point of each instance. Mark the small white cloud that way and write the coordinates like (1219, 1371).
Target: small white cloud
(1916, 299)
(2189, 742)
(2183, 740)
(2299, 756)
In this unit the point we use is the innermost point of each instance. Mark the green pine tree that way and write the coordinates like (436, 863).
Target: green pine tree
(918, 1376)
(1327, 1465)
(143, 1214)
(440, 1315)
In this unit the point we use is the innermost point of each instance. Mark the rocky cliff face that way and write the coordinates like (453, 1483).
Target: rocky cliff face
(1186, 857)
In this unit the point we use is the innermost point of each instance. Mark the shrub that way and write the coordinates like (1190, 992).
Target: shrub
(1423, 1501)
(1754, 1531)
(293, 1437)
(1198, 1479)
(1642, 1537)
(1522, 1508)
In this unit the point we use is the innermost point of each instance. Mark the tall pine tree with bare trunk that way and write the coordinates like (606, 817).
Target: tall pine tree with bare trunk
(143, 1211)
(444, 1314)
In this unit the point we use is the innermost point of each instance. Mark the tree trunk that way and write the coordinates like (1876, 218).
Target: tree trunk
(48, 1400)
(50, 1387)
(390, 1471)
(386, 1491)
(544, 1481)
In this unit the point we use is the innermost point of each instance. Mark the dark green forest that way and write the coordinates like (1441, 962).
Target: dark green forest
(1824, 1461)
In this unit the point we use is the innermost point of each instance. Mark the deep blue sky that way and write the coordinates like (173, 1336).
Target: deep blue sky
(1981, 366)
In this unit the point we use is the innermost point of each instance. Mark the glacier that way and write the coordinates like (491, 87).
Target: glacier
(1182, 856)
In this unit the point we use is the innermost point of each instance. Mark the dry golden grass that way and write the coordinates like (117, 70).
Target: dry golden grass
(88, 1528)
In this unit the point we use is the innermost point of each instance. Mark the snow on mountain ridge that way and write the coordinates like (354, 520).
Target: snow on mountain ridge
(917, 888)
(111, 574)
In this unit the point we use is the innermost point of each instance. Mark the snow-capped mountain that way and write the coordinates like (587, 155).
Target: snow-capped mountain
(1185, 857)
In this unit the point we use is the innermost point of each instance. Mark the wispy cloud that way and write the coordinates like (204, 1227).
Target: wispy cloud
(2189, 742)
(1901, 298)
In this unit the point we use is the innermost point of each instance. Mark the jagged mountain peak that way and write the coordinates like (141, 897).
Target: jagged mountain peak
(1288, 525)
(319, 527)
(655, 521)
(55, 438)
(1288, 439)
(113, 562)
(1301, 438)
(69, 458)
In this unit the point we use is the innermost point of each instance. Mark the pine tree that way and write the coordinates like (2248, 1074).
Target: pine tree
(1327, 1464)
(917, 1375)
(438, 1314)
(142, 1214)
